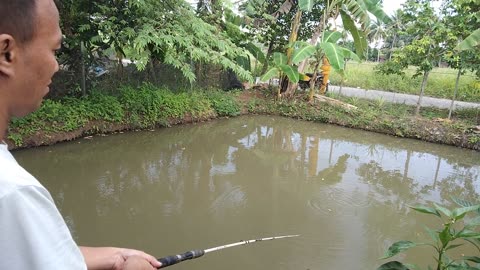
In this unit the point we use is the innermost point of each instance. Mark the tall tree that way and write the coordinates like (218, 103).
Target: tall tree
(462, 22)
(429, 34)
(166, 31)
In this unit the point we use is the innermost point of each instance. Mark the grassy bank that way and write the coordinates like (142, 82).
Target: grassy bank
(441, 82)
(132, 108)
(146, 107)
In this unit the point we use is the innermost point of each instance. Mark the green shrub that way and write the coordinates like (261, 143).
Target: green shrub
(224, 104)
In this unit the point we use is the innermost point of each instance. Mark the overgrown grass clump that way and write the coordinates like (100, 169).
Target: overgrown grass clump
(133, 107)
(441, 82)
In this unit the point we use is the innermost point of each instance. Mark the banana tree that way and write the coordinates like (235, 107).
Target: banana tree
(286, 66)
(329, 55)
(351, 12)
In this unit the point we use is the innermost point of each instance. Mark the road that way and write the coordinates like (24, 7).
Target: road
(401, 98)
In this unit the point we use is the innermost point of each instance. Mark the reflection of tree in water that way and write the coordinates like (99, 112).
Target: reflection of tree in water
(395, 187)
(333, 174)
(460, 184)
(202, 159)
(402, 189)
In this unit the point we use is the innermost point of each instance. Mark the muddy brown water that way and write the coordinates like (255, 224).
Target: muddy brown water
(166, 191)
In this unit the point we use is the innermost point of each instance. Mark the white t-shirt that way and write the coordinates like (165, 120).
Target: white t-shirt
(33, 234)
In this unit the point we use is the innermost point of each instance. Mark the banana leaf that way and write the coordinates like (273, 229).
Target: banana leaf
(306, 5)
(256, 52)
(279, 59)
(332, 36)
(291, 72)
(303, 53)
(359, 37)
(334, 54)
(270, 74)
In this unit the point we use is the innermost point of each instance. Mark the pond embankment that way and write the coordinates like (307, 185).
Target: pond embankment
(149, 107)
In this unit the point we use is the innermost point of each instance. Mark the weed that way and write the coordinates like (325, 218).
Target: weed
(454, 228)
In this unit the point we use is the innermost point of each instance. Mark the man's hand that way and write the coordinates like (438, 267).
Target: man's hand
(109, 258)
(137, 263)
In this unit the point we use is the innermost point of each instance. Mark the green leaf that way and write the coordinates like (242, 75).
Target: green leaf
(468, 234)
(256, 52)
(445, 236)
(453, 246)
(472, 258)
(303, 77)
(280, 59)
(444, 210)
(270, 74)
(334, 54)
(393, 265)
(426, 210)
(303, 53)
(472, 41)
(292, 73)
(398, 247)
(332, 36)
(306, 5)
(376, 9)
(433, 234)
(244, 62)
(348, 54)
(359, 37)
(459, 213)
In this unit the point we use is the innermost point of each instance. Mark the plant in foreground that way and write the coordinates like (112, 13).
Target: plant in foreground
(456, 229)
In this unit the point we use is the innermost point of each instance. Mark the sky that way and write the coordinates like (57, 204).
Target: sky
(389, 6)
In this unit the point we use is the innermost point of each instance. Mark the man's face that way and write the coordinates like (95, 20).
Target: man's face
(36, 61)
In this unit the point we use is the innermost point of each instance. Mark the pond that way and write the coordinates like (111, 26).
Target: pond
(166, 191)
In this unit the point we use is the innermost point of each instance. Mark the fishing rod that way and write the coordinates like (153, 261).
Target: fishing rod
(193, 254)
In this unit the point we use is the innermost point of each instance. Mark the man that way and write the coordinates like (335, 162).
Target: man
(33, 235)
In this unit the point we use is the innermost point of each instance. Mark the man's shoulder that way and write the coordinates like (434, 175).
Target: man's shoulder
(13, 177)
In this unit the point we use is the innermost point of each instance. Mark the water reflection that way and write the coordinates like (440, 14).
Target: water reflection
(345, 191)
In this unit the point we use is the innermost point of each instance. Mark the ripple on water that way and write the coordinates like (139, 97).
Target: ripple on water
(106, 188)
(232, 197)
(337, 198)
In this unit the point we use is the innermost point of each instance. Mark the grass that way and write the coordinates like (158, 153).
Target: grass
(134, 107)
(147, 106)
(441, 82)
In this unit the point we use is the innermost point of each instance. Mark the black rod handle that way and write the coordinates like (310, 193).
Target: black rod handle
(174, 259)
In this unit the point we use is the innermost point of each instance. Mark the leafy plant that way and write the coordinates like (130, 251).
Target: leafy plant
(455, 228)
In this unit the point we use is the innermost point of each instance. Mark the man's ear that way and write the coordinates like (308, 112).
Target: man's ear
(8, 54)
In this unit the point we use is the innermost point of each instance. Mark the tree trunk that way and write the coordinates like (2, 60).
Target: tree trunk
(334, 102)
(313, 41)
(290, 89)
(84, 76)
(269, 53)
(422, 90)
(313, 81)
(393, 44)
(454, 93)
(152, 71)
(378, 55)
(343, 77)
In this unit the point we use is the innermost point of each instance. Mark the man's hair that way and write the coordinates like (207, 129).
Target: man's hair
(17, 18)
